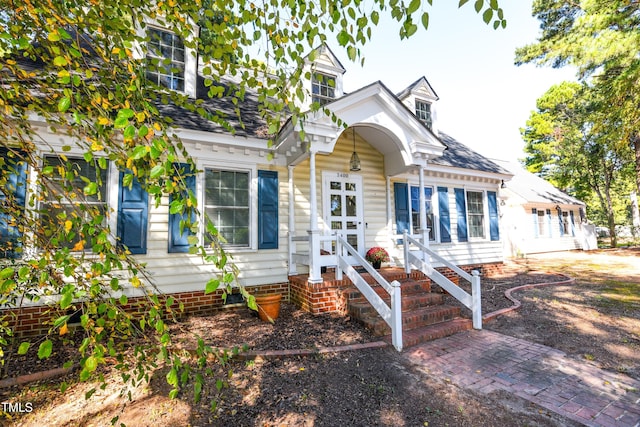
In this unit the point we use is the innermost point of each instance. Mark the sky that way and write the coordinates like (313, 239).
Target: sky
(484, 99)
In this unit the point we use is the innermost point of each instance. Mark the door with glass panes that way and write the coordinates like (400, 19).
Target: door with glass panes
(342, 206)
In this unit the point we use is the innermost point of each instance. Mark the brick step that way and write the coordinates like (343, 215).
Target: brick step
(361, 307)
(407, 286)
(432, 332)
(413, 319)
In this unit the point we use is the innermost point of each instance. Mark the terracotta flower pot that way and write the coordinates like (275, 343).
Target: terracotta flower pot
(268, 306)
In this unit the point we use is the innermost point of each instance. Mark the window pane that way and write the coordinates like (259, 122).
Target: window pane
(67, 198)
(227, 204)
(351, 205)
(165, 59)
(475, 213)
(323, 88)
(336, 205)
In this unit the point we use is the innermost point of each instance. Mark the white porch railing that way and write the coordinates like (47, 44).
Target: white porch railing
(302, 256)
(392, 314)
(421, 260)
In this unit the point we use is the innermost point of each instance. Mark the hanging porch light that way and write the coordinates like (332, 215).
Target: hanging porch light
(354, 163)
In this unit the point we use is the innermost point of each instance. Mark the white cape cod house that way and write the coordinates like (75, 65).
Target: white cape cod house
(280, 207)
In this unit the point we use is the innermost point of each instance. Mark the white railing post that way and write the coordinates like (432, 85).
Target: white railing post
(292, 223)
(339, 250)
(396, 315)
(292, 249)
(405, 243)
(476, 298)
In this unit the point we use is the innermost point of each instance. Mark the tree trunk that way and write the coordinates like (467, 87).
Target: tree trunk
(635, 142)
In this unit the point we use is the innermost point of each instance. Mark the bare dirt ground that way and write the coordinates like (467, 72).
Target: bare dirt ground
(596, 320)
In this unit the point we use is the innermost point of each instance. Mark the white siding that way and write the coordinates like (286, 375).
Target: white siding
(374, 189)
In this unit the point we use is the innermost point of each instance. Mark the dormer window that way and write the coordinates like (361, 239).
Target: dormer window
(423, 112)
(166, 57)
(323, 88)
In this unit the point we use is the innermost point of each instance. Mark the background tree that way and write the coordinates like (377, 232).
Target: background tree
(570, 141)
(602, 40)
(78, 68)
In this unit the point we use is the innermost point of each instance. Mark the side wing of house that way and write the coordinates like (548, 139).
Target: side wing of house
(540, 218)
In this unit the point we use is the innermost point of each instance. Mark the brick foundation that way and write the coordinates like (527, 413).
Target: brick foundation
(327, 296)
(36, 320)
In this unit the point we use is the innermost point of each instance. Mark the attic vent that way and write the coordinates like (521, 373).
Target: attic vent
(423, 112)
(323, 88)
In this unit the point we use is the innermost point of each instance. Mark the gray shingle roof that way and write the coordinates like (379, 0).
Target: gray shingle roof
(244, 119)
(534, 189)
(458, 155)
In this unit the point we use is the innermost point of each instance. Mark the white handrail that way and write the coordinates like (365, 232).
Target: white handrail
(392, 315)
(471, 301)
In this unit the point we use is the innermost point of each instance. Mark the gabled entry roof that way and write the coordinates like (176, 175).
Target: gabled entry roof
(385, 122)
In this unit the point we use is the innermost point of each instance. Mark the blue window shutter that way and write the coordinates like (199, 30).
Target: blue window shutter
(402, 207)
(133, 210)
(461, 208)
(443, 208)
(179, 242)
(573, 224)
(534, 215)
(14, 173)
(494, 224)
(560, 223)
(549, 222)
(267, 210)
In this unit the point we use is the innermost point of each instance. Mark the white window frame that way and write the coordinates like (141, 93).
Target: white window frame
(171, 75)
(110, 196)
(485, 214)
(425, 115)
(541, 223)
(253, 200)
(319, 97)
(435, 231)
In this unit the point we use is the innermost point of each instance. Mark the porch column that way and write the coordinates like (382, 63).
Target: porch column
(423, 213)
(314, 232)
(292, 223)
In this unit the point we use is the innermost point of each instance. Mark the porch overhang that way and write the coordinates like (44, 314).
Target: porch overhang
(378, 117)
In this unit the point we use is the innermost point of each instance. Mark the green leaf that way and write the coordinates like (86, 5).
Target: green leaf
(90, 189)
(425, 20)
(352, 53)
(478, 5)
(120, 122)
(59, 61)
(413, 6)
(91, 364)
(64, 104)
(487, 15)
(126, 113)
(24, 347)
(375, 17)
(212, 286)
(172, 377)
(66, 299)
(130, 132)
(6, 273)
(139, 152)
(343, 37)
(462, 3)
(156, 171)
(45, 349)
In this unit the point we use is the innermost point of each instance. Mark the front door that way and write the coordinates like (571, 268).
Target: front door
(342, 207)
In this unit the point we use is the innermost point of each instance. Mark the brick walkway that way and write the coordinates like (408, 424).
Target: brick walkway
(487, 361)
